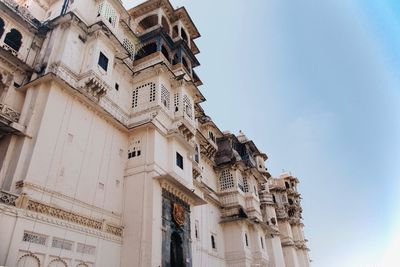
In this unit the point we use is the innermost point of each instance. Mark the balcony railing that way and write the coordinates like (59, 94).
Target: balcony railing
(10, 49)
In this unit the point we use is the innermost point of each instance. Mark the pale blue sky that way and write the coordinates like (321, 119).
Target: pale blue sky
(316, 85)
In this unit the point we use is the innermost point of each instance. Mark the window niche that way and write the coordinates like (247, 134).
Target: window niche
(179, 160)
(213, 243)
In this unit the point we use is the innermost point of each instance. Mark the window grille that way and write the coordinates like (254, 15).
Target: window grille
(187, 104)
(85, 249)
(152, 92)
(165, 96)
(129, 47)
(245, 184)
(241, 183)
(34, 238)
(176, 101)
(226, 180)
(147, 91)
(63, 244)
(107, 11)
(135, 95)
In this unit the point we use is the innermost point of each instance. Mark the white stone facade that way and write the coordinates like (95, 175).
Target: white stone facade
(107, 157)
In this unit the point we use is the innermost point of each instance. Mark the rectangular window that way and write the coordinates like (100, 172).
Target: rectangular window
(85, 249)
(35, 238)
(179, 160)
(60, 243)
(103, 61)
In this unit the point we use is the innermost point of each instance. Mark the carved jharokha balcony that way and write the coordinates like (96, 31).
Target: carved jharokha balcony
(94, 84)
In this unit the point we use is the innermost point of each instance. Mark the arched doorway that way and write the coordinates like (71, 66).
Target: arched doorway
(176, 251)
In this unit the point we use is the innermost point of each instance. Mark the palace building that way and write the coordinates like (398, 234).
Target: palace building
(107, 157)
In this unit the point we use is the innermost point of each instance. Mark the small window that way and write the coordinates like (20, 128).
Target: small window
(274, 198)
(196, 154)
(262, 242)
(196, 229)
(247, 241)
(179, 160)
(116, 86)
(103, 61)
(213, 245)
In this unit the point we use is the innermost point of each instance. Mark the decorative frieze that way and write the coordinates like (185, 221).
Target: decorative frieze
(9, 113)
(24, 202)
(8, 198)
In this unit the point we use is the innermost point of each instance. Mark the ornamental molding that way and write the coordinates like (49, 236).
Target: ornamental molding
(48, 213)
(30, 254)
(58, 259)
(23, 184)
(18, 212)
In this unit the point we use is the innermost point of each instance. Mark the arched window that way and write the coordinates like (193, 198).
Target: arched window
(165, 24)
(13, 39)
(164, 51)
(146, 50)
(184, 35)
(287, 185)
(1, 27)
(175, 32)
(58, 263)
(291, 213)
(28, 260)
(175, 60)
(290, 201)
(196, 154)
(148, 22)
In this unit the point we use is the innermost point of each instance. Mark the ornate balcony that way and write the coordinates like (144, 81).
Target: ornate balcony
(253, 207)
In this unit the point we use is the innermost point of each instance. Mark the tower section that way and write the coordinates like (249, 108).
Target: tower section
(288, 210)
(159, 190)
